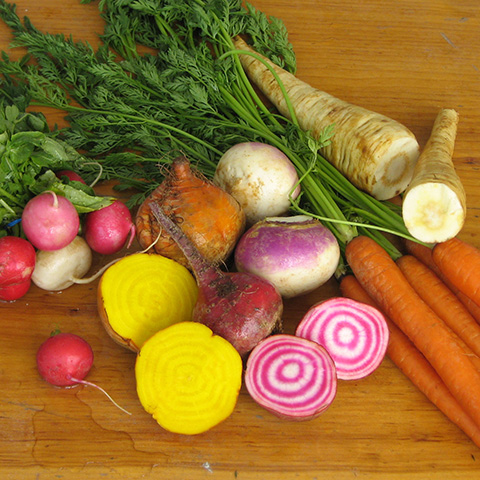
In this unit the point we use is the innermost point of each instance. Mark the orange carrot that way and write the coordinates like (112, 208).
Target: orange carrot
(441, 300)
(424, 254)
(413, 364)
(460, 263)
(385, 283)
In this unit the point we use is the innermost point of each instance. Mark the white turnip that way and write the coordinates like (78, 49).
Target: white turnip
(260, 177)
(65, 359)
(17, 261)
(354, 334)
(59, 269)
(108, 229)
(297, 254)
(292, 377)
(50, 221)
(241, 307)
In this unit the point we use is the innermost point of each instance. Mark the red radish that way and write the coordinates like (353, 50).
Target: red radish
(65, 359)
(240, 307)
(355, 334)
(50, 221)
(17, 262)
(297, 254)
(71, 175)
(107, 229)
(291, 377)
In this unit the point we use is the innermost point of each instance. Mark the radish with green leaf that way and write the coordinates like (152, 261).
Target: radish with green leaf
(50, 221)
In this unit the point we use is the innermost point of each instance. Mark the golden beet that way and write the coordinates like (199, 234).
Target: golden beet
(188, 378)
(142, 294)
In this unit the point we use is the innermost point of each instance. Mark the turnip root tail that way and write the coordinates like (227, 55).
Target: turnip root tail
(434, 205)
(376, 153)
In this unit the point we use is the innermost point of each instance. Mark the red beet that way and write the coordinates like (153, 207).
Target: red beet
(240, 307)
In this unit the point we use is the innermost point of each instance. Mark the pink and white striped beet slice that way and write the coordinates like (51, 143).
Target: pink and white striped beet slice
(354, 334)
(291, 377)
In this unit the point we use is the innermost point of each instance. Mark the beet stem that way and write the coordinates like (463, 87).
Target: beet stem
(205, 272)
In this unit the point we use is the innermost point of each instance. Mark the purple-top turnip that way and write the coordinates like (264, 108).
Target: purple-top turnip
(297, 254)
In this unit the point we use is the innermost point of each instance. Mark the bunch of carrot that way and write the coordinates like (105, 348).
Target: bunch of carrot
(430, 298)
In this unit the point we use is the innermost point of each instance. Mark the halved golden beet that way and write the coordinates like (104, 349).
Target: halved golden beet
(188, 378)
(142, 294)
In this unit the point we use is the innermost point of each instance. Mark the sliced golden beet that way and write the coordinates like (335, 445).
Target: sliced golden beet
(142, 294)
(188, 378)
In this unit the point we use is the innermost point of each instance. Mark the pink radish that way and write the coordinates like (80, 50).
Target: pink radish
(240, 307)
(356, 335)
(291, 377)
(71, 175)
(50, 221)
(108, 229)
(65, 359)
(17, 262)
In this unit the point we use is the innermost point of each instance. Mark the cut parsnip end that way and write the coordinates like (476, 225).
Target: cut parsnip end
(433, 212)
(434, 204)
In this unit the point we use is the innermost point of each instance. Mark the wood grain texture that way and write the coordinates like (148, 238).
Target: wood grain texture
(405, 59)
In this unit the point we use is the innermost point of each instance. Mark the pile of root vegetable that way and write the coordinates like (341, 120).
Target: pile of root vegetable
(237, 206)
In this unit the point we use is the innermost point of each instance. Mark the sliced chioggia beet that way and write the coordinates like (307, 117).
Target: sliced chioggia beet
(355, 335)
(291, 377)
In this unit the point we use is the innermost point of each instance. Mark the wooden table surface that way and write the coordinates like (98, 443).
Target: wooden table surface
(404, 58)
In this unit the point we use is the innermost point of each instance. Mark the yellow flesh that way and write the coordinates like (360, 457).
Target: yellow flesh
(144, 293)
(188, 378)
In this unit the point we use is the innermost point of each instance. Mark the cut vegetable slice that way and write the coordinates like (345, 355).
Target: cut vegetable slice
(354, 334)
(434, 204)
(188, 378)
(142, 294)
(291, 377)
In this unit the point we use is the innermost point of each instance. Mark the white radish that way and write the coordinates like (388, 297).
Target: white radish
(59, 269)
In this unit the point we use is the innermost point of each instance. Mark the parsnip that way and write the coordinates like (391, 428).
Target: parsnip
(376, 153)
(434, 204)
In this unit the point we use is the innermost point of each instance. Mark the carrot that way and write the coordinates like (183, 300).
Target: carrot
(459, 262)
(376, 153)
(434, 204)
(415, 367)
(385, 283)
(441, 300)
(424, 254)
